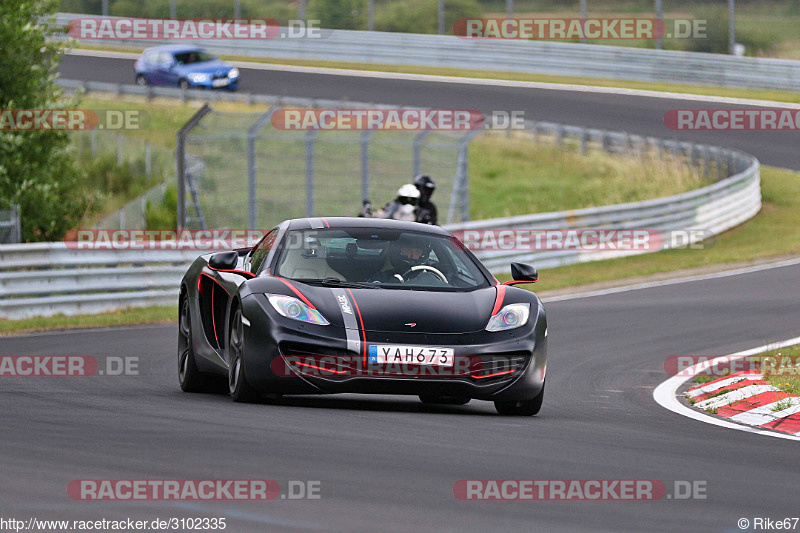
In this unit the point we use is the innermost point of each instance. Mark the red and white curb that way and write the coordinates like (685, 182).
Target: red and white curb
(748, 399)
(748, 403)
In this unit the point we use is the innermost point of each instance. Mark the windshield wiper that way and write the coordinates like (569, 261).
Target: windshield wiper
(336, 282)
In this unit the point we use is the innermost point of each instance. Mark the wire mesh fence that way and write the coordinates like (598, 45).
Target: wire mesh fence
(148, 168)
(242, 171)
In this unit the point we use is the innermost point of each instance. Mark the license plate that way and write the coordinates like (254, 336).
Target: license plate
(418, 355)
(222, 82)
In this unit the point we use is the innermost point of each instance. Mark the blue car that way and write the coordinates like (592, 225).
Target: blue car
(184, 66)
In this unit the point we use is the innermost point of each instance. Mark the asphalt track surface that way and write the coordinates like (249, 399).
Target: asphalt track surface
(634, 114)
(390, 463)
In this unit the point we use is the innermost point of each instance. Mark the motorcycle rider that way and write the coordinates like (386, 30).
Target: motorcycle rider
(426, 210)
(404, 207)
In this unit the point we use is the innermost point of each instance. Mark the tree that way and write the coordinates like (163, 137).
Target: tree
(37, 168)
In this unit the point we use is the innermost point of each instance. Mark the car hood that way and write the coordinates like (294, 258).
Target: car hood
(408, 311)
(206, 67)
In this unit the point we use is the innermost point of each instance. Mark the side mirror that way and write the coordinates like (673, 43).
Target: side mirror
(223, 260)
(522, 273)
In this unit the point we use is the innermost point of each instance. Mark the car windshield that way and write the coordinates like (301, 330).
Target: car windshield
(384, 258)
(194, 56)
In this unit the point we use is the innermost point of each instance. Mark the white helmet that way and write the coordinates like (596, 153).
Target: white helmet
(408, 194)
(407, 197)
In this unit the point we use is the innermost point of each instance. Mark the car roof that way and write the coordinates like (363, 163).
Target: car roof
(174, 48)
(363, 222)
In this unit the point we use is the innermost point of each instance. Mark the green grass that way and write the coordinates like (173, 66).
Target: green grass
(537, 178)
(784, 376)
(774, 232)
(126, 317)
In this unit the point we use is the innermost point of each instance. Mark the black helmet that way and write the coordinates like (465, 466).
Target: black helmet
(424, 183)
(408, 251)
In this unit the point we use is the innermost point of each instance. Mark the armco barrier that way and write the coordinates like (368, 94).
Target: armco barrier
(535, 57)
(49, 278)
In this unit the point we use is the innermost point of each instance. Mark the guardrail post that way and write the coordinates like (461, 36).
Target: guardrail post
(365, 137)
(252, 184)
(417, 151)
(584, 140)
(180, 161)
(148, 163)
(119, 149)
(309, 141)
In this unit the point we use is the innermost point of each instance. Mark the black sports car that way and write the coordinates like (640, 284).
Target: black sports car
(328, 305)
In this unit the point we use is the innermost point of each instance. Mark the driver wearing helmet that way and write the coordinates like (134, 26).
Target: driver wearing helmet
(404, 207)
(406, 256)
(426, 210)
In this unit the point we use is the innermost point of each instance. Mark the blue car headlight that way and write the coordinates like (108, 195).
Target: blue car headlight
(199, 77)
(291, 307)
(233, 73)
(509, 317)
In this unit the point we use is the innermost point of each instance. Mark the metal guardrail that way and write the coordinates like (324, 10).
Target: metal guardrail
(534, 57)
(50, 278)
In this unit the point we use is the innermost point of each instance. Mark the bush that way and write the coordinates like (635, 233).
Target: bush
(339, 14)
(164, 215)
(422, 16)
(716, 41)
(37, 168)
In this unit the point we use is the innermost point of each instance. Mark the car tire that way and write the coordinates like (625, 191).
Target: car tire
(141, 80)
(183, 84)
(189, 377)
(238, 387)
(523, 408)
(432, 399)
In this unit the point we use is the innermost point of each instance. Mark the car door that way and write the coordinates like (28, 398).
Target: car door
(166, 69)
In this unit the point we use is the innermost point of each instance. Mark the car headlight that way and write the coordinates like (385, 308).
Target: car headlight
(291, 307)
(510, 317)
(199, 77)
(233, 73)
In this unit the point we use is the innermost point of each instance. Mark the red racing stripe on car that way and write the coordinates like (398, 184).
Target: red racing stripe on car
(363, 331)
(297, 292)
(244, 273)
(498, 300)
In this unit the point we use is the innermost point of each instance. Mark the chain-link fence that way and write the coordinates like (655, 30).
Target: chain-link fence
(240, 171)
(146, 163)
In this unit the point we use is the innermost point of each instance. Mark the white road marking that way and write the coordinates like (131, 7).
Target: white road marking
(674, 281)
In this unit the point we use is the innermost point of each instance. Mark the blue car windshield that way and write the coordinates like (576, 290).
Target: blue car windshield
(386, 258)
(195, 56)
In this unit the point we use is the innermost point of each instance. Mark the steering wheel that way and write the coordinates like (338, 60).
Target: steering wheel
(431, 269)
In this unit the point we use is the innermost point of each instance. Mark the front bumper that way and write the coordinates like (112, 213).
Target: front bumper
(289, 357)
